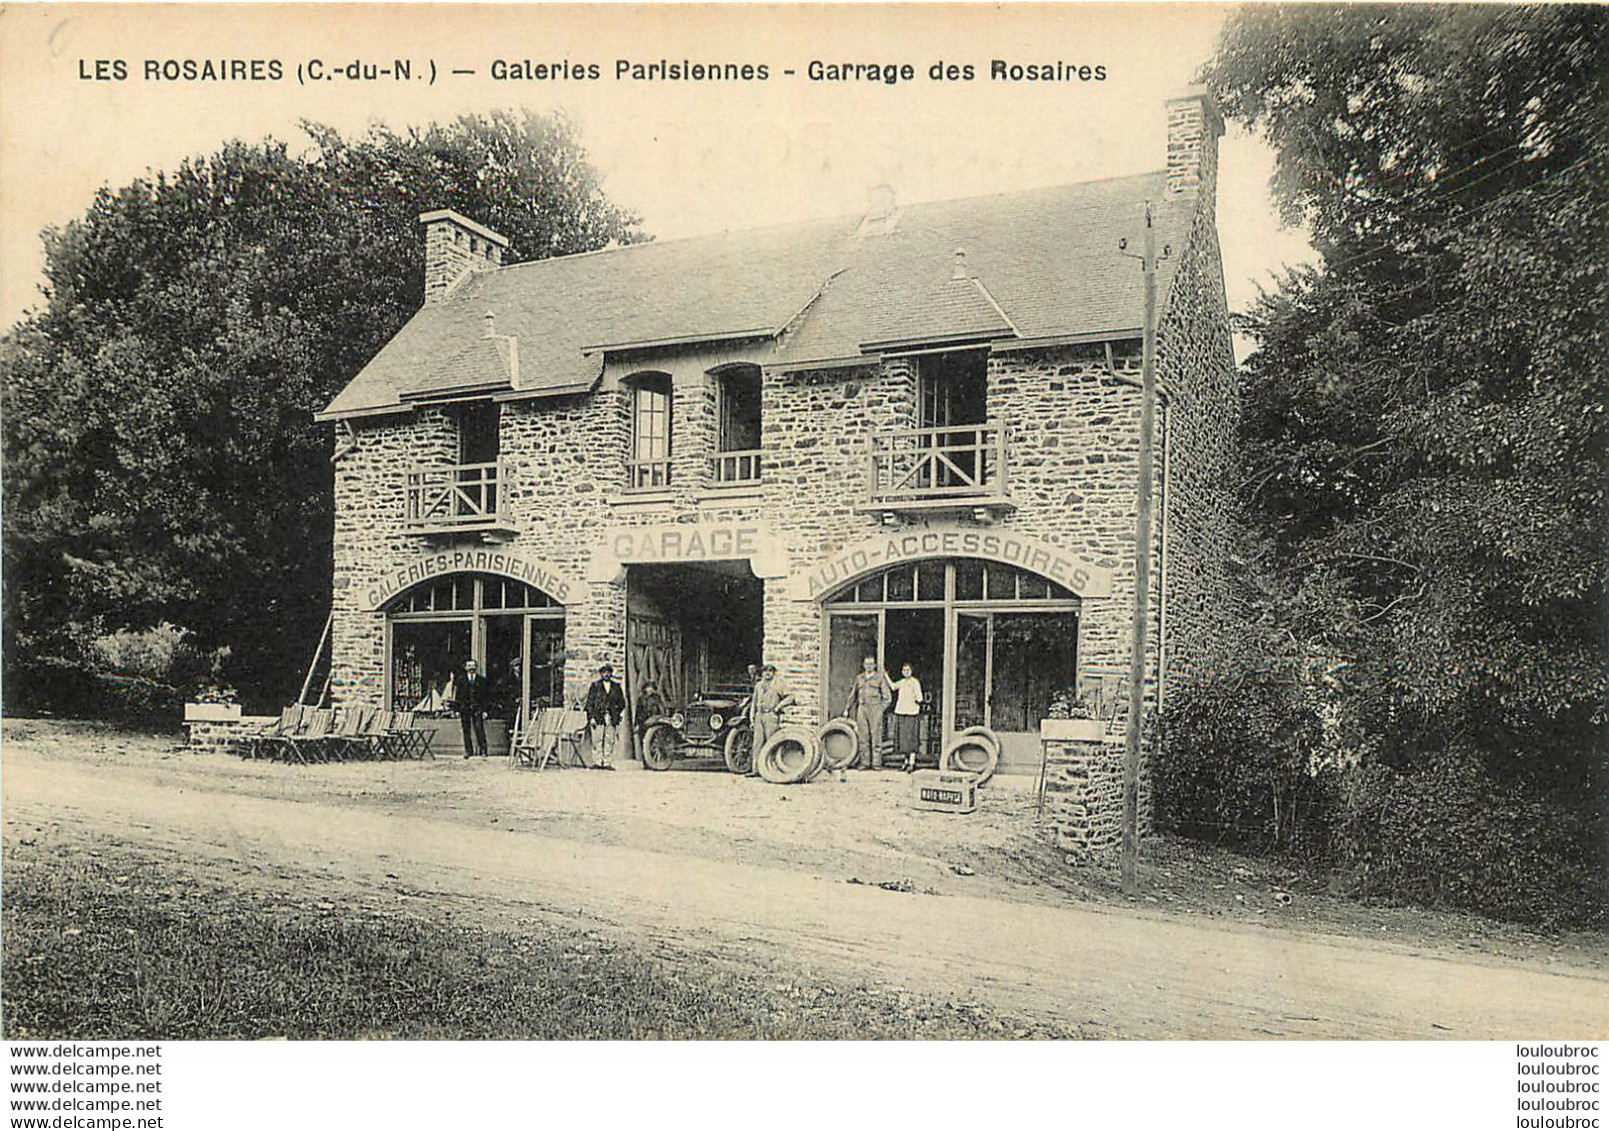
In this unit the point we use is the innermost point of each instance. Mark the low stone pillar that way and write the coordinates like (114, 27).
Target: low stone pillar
(223, 736)
(1083, 785)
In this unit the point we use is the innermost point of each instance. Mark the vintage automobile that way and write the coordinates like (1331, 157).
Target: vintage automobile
(709, 727)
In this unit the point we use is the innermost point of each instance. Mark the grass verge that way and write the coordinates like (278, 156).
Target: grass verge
(115, 944)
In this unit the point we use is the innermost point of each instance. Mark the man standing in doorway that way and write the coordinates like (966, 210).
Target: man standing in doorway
(770, 696)
(868, 703)
(473, 693)
(606, 703)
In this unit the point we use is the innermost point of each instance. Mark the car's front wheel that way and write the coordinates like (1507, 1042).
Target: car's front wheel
(739, 749)
(659, 746)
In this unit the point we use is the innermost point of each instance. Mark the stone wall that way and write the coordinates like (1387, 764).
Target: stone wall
(1196, 368)
(1084, 795)
(370, 508)
(818, 426)
(225, 736)
(1074, 453)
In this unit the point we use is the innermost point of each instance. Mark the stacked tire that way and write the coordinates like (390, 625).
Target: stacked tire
(975, 750)
(839, 744)
(792, 756)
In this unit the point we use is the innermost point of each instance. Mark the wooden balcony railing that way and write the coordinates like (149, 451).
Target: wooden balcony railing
(737, 467)
(956, 463)
(467, 496)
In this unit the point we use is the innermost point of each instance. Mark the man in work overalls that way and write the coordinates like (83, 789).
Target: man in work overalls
(868, 703)
(770, 696)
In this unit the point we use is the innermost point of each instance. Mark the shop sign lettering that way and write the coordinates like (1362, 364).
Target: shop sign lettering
(1031, 554)
(532, 571)
(687, 542)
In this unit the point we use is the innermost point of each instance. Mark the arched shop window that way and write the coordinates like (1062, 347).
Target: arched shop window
(975, 580)
(992, 644)
(514, 631)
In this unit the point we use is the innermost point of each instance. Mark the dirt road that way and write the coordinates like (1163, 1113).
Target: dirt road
(1125, 973)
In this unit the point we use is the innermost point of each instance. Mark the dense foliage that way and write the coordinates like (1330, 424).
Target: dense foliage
(1235, 764)
(1425, 424)
(161, 462)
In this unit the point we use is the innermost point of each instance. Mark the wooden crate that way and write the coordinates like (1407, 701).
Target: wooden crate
(944, 791)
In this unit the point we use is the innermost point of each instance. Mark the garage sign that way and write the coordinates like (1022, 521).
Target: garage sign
(679, 542)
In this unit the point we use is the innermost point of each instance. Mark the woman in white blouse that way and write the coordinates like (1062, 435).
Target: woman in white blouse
(907, 712)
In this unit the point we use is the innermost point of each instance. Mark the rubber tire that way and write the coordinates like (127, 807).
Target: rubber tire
(818, 762)
(983, 732)
(739, 757)
(768, 762)
(837, 726)
(977, 739)
(654, 759)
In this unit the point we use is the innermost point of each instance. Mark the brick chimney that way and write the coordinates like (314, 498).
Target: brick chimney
(455, 246)
(1194, 127)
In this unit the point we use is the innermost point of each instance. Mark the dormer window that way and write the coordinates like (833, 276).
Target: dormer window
(649, 466)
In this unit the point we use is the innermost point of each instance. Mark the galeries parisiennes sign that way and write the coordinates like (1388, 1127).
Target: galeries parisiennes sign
(535, 572)
(1066, 569)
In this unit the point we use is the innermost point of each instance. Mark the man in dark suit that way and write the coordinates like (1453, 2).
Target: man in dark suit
(474, 694)
(606, 703)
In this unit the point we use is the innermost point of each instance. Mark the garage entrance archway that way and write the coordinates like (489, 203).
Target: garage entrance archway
(693, 628)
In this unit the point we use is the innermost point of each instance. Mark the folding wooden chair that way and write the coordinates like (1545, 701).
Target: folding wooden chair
(524, 747)
(346, 740)
(261, 744)
(407, 739)
(563, 729)
(377, 735)
(308, 745)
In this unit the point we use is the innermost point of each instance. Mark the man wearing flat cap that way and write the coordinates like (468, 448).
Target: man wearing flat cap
(771, 695)
(606, 704)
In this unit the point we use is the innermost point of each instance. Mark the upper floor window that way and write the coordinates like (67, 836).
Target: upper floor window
(953, 389)
(952, 405)
(737, 458)
(478, 432)
(649, 465)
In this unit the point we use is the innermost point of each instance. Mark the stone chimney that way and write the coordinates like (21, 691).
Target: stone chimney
(1194, 127)
(455, 246)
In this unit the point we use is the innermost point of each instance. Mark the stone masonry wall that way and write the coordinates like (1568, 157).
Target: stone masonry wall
(1084, 795)
(370, 506)
(1074, 453)
(1195, 364)
(817, 427)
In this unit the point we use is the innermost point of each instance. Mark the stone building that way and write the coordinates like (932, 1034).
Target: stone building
(911, 434)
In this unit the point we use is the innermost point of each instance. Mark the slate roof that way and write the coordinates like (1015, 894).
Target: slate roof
(1042, 264)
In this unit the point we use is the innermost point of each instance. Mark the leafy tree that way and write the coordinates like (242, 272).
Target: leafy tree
(1425, 412)
(160, 458)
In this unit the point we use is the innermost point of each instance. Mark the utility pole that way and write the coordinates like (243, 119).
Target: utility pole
(1142, 563)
